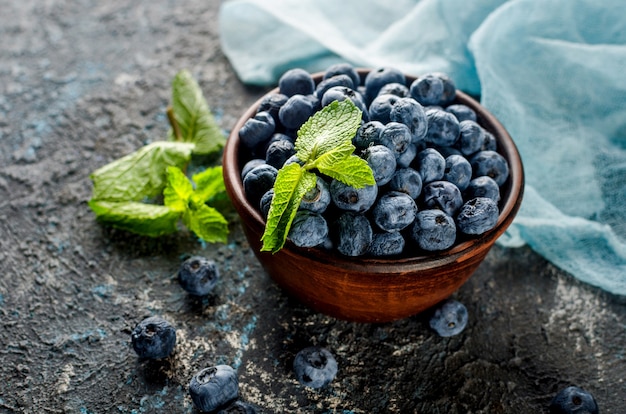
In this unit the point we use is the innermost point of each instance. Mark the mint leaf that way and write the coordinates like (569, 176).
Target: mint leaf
(140, 174)
(178, 190)
(140, 218)
(207, 223)
(292, 183)
(333, 126)
(209, 183)
(353, 171)
(193, 116)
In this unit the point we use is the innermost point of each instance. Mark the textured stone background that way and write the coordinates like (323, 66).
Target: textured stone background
(83, 83)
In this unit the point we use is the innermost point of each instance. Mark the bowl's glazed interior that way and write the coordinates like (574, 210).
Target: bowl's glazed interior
(373, 289)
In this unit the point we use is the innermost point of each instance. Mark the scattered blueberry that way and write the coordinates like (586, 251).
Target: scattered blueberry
(353, 234)
(308, 229)
(430, 164)
(444, 196)
(318, 198)
(352, 199)
(382, 161)
(443, 127)
(315, 367)
(427, 89)
(386, 244)
(198, 275)
(258, 181)
(450, 318)
(458, 171)
(408, 181)
(492, 164)
(477, 215)
(394, 211)
(433, 230)
(214, 387)
(573, 400)
(296, 81)
(153, 338)
(483, 186)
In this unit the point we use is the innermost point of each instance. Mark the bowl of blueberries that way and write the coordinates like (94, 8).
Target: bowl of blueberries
(371, 195)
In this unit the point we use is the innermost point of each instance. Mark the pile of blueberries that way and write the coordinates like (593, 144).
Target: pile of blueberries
(437, 170)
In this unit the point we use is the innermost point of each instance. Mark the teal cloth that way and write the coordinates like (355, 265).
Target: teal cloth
(553, 72)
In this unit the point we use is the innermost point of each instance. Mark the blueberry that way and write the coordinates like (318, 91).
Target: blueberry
(266, 202)
(343, 69)
(405, 159)
(492, 164)
(443, 195)
(396, 137)
(382, 161)
(248, 166)
(271, 103)
(198, 275)
(458, 171)
(308, 229)
(449, 88)
(478, 215)
(296, 81)
(296, 111)
(341, 93)
(394, 88)
(483, 186)
(376, 79)
(318, 198)
(315, 367)
(409, 112)
(433, 230)
(427, 89)
(353, 234)
(278, 152)
(337, 80)
(368, 134)
(462, 112)
(380, 108)
(258, 180)
(443, 127)
(489, 144)
(257, 130)
(450, 318)
(408, 181)
(430, 164)
(214, 387)
(447, 151)
(572, 400)
(153, 338)
(238, 407)
(394, 211)
(471, 137)
(352, 199)
(386, 244)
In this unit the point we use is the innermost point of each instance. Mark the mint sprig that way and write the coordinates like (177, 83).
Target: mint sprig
(125, 191)
(323, 144)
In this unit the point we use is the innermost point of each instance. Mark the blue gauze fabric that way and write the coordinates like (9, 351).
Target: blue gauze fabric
(554, 73)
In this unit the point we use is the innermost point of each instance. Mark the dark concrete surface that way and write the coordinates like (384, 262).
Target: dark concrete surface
(83, 83)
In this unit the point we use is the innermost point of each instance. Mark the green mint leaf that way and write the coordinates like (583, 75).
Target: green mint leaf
(193, 116)
(178, 189)
(209, 183)
(139, 218)
(140, 174)
(353, 171)
(292, 182)
(207, 223)
(333, 126)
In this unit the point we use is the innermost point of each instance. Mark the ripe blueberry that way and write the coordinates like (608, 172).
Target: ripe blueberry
(381, 106)
(343, 69)
(462, 112)
(368, 134)
(386, 244)
(198, 275)
(427, 89)
(443, 127)
(296, 81)
(318, 198)
(315, 367)
(238, 407)
(214, 387)
(396, 136)
(483, 186)
(394, 211)
(458, 171)
(376, 79)
(296, 111)
(382, 161)
(257, 130)
(308, 229)
(352, 199)
(394, 88)
(433, 230)
(153, 338)
(573, 400)
(471, 137)
(408, 181)
(258, 181)
(443, 195)
(492, 164)
(477, 215)
(450, 318)
(337, 80)
(353, 234)
(430, 164)
(409, 112)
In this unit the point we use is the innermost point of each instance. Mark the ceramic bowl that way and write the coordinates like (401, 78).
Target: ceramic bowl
(373, 289)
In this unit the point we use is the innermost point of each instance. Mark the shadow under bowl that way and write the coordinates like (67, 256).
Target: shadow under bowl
(373, 290)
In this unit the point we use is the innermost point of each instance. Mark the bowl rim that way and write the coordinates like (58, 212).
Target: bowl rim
(514, 186)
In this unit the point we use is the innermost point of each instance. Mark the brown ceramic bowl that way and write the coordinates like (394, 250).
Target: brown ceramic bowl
(373, 289)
